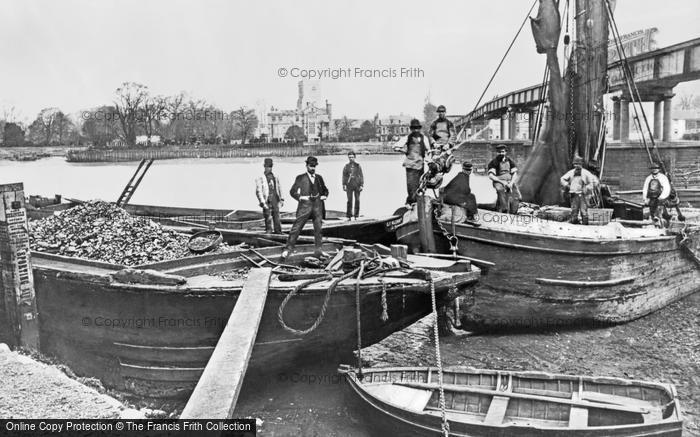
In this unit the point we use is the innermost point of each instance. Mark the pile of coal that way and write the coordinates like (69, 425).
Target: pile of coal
(102, 231)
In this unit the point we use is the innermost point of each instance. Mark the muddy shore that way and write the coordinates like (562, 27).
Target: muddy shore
(663, 347)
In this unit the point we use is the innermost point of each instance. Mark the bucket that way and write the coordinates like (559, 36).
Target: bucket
(599, 216)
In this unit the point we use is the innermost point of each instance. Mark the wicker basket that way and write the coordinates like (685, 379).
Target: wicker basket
(599, 216)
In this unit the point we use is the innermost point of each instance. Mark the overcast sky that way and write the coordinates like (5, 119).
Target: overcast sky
(73, 54)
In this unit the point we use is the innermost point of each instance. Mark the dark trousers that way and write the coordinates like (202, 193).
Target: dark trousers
(412, 182)
(507, 199)
(353, 192)
(306, 210)
(272, 218)
(579, 203)
(657, 208)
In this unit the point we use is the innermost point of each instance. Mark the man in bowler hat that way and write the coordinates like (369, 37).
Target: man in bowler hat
(310, 191)
(269, 192)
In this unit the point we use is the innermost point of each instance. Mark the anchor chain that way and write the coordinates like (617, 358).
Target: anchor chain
(438, 359)
(451, 237)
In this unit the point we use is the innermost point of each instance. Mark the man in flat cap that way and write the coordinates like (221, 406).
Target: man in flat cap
(579, 182)
(459, 193)
(414, 145)
(442, 130)
(269, 192)
(503, 172)
(310, 191)
(655, 192)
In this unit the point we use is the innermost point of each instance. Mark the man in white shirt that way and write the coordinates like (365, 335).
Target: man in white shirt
(655, 191)
(578, 182)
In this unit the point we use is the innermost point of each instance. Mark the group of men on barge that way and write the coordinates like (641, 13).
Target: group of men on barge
(434, 152)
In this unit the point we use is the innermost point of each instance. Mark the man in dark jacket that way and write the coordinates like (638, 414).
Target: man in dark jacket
(503, 172)
(310, 191)
(458, 192)
(353, 182)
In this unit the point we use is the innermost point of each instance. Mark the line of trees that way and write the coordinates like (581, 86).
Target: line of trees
(134, 112)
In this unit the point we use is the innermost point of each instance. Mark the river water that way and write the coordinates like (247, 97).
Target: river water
(219, 183)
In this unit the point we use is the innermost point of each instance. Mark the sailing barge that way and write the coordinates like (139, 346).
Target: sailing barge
(405, 401)
(551, 275)
(152, 335)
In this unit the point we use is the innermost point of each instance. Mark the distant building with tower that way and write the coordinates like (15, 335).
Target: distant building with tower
(311, 115)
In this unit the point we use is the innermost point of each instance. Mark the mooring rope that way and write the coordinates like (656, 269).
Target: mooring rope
(359, 320)
(438, 359)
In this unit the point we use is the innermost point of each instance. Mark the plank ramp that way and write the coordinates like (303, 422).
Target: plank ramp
(217, 390)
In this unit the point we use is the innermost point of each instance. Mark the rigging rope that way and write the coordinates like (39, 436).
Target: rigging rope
(499, 64)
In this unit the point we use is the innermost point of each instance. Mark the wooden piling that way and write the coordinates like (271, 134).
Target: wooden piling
(425, 224)
(17, 292)
(217, 390)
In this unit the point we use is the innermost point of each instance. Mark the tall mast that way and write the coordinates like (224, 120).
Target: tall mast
(588, 71)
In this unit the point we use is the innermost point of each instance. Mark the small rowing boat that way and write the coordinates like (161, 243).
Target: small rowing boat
(405, 401)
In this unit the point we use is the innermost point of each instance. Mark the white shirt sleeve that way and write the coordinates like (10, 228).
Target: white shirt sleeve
(401, 143)
(665, 186)
(644, 188)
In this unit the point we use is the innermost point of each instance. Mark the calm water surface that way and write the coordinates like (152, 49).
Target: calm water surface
(218, 183)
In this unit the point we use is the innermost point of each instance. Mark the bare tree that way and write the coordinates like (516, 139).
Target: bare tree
(154, 108)
(246, 121)
(131, 97)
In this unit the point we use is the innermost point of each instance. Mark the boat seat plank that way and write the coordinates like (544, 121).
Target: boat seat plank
(578, 417)
(497, 410)
(616, 400)
(410, 399)
(217, 391)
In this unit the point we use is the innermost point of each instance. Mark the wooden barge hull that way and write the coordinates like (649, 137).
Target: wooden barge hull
(548, 282)
(416, 412)
(155, 340)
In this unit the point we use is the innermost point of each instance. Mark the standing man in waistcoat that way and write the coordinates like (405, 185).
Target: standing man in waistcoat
(655, 192)
(353, 182)
(269, 192)
(415, 145)
(310, 191)
(442, 130)
(503, 172)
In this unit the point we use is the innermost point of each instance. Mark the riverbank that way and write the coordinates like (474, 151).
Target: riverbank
(34, 153)
(32, 389)
(226, 151)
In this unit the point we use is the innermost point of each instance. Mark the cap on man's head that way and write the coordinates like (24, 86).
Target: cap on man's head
(654, 165)
(501, 147)
(441, 108)
(578, 160)
(312, 161)
(466, 165)
(351, 153)
(415, 124)
(268, 162)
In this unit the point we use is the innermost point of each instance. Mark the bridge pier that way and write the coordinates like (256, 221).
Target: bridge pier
(503, 128)
(657, 119)
(512, 123)
(616, 119)
(624, 119)
(667, 118)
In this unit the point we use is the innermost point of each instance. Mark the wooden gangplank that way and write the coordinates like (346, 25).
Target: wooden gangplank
(217, 390)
